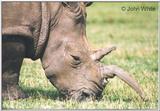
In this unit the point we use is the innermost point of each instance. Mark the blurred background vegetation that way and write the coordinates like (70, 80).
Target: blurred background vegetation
(135, 35)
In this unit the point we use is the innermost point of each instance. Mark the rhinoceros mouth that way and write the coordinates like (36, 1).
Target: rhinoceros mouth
(86, 94)
(83, 95)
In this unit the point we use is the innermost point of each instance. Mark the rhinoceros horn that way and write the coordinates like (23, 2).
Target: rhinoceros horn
(99, 54)
(110, 71)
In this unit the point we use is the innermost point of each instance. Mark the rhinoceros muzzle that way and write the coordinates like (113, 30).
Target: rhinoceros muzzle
(84, 94)
(92, 92)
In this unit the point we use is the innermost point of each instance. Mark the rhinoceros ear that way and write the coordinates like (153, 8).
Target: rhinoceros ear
(70, 4)
(87, 3)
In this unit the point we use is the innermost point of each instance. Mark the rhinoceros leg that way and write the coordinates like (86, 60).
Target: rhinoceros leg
(12, 56)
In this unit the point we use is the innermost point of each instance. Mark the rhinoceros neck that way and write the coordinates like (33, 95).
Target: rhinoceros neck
(44, 30)
(50, 14)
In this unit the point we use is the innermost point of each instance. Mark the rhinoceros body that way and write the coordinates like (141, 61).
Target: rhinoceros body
(31, 21)
(55, 33)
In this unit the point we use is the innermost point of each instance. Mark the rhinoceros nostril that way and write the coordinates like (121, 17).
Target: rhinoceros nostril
(84, 94)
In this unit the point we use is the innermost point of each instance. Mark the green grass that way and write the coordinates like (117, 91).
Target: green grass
(134, 34)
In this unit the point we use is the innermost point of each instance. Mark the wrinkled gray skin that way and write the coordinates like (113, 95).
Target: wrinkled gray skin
(55, 33)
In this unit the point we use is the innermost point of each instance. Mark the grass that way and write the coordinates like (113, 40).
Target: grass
(134, 34)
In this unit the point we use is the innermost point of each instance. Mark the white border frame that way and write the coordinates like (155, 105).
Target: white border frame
(96, 1)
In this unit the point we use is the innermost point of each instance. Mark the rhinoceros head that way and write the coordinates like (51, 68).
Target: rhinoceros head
(70, 65)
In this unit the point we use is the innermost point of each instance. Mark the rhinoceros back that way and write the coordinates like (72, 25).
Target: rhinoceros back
(28, 20)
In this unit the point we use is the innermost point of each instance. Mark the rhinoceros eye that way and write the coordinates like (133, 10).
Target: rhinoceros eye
(76, 60)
